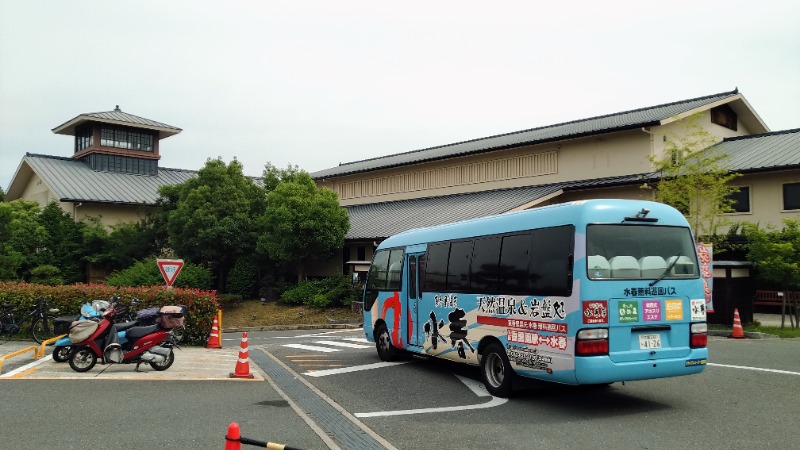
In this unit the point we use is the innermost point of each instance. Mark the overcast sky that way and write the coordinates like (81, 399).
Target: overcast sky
(318, 83)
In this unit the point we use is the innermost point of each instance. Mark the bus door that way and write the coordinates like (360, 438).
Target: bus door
(416, 267)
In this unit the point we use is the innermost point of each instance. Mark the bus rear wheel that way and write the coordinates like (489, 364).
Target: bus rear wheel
(383, 343)
(496, 370)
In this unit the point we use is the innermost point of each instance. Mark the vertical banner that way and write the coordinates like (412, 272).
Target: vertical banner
(705, 255)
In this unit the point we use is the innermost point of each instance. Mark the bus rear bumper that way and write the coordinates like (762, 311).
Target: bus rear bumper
(600, 369)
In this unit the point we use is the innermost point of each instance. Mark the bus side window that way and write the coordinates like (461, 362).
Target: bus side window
(514, 259)
(485, 267)
(436, 270)
(395, 270)
(458, 266)
(412, 277)
(551, 261)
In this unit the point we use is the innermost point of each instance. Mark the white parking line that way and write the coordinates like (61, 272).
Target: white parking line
(27, 366)
(321, 334)
(473, 385)
(312, 348)
(342, 344)
(326, 372)
(362, 340)
(785, 372)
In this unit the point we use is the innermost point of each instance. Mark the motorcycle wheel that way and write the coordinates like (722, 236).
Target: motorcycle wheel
(166, 364)
(62, 353)
(82, 359)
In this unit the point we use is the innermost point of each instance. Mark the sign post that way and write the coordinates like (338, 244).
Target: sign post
(170, 268)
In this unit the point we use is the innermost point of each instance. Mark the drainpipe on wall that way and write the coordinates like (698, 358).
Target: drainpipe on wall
(75, 207)
(652, 142)
(652, 154)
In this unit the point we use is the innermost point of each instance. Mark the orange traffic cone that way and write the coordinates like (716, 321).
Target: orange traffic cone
(738, 332)
(233, 438)
(242, 369)
(213, 340)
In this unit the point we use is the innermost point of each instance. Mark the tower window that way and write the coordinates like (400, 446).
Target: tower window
(130, 139)
(724, 116)
(83, 138)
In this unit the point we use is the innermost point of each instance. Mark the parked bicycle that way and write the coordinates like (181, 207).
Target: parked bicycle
(40, 319)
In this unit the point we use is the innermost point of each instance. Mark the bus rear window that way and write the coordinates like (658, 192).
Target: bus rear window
(624, 251)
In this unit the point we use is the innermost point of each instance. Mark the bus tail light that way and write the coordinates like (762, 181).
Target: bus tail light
(592, 342)
(698, 335)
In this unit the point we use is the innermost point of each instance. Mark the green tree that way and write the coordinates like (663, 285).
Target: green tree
(210, 217)
(273, 175)
(693, 180)
(95, 241)
(63, 246)
(776, 253)
(133, 241)
(21, 237)
(302, 223)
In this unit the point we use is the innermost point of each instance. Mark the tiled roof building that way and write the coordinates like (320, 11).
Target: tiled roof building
(114, 173)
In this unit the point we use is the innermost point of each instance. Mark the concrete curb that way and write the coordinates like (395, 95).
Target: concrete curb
(747, 334)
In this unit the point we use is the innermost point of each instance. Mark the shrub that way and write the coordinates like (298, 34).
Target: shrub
(201, 305)
(46, 274)
(335, 291)
(297, 295)
(146, 273)
(230, 300)
(242, 278)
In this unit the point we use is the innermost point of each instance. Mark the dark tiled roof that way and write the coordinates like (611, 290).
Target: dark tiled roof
(779, 149)
(767, 151)
(74, 181)
(120, 116)
(116, 117)
(585, 127)
(381, 220)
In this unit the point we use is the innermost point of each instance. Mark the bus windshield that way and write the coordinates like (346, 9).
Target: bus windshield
(624, 251)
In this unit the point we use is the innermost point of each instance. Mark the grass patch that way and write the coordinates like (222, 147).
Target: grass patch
(252, 313)
(786, 332)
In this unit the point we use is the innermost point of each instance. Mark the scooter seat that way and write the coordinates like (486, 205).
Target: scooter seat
(137, 332)
(126, 325)
(66, 319)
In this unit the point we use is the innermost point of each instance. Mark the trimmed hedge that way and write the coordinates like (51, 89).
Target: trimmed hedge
(202, 306)
(327, 292)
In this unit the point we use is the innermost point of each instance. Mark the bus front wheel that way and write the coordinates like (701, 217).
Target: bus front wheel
(496, 371)
(383, 343)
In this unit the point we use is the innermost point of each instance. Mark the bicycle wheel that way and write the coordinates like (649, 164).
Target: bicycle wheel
(42, 329)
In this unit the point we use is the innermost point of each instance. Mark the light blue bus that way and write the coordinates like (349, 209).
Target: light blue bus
(587, 292)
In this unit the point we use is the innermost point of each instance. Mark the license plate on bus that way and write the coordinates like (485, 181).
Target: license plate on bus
(649, 341)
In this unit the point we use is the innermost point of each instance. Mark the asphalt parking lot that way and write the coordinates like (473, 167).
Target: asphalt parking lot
(191, 363)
